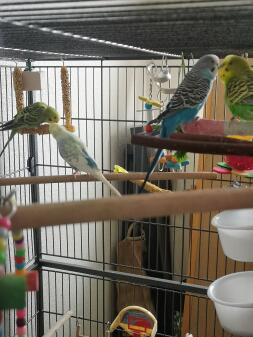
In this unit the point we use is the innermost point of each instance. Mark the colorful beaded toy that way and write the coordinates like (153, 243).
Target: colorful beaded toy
(13, 287)
(4, 227)
(175, 160)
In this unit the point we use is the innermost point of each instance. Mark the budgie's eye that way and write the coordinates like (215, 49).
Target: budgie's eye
(226, 69)
(50, 119)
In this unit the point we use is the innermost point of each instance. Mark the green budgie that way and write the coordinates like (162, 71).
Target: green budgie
(74, 152)
(30, 117)
(237, 76)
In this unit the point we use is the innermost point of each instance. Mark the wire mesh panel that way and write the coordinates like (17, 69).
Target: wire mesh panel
(85, 265)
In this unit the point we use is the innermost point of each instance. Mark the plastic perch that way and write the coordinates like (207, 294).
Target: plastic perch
(13, 289)
(59, 324)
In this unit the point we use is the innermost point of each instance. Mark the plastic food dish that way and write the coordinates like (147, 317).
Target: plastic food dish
(233, 299)
(235, 228)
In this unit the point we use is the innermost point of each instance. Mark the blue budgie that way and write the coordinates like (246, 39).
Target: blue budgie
(185, 104)
(74, 152)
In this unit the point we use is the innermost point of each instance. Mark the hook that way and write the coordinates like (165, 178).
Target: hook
(107, 330)
(192, 58)
(149, 68)
(164, 62)
(9, 201)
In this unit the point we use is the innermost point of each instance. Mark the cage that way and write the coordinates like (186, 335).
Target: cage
(81, 266)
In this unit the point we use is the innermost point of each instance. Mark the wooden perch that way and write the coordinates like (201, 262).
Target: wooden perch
(41, 130)
(109, 176)
(130, 207)
(195, 144)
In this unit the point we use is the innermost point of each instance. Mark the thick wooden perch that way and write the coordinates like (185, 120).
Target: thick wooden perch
(109, 176)
(131, 207)
(195, 144)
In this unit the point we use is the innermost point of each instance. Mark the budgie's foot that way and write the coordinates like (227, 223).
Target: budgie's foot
(76, 173)
(153, 121)
(234, 118)
(155, 133)
(179, 129)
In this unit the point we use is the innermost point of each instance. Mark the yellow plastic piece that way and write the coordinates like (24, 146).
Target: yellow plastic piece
(148, 186)
(17, 235)
(245, 138)
(150, 101)
(2, 244)
(118, 322)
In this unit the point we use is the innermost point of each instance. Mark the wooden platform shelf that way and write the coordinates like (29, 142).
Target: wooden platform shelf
(195, 143)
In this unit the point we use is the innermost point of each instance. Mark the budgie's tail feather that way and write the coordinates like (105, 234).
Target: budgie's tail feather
(6, 144)
(100, 176)
(6, 126)
(151, 169)
(166, 130)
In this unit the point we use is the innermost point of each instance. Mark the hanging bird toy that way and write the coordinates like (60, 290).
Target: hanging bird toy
(13, 287)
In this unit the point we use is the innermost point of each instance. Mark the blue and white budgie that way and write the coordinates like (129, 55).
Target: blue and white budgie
(187, 101)
(74, 152)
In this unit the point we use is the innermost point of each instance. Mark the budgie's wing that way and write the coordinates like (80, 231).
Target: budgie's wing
(31, 116)
(75, 154)
(240, 91)
(191, 92)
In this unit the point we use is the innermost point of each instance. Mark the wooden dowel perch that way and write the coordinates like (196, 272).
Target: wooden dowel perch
(109, 176)
(59, 324)
(131, 207)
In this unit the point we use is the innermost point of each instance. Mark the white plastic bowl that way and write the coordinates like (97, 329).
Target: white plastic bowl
(235, 228)
(233, 299)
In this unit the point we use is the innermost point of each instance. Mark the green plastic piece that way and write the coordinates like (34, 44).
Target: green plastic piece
(20, 252)
(224, 165)
(12, 292)
(2, 257)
